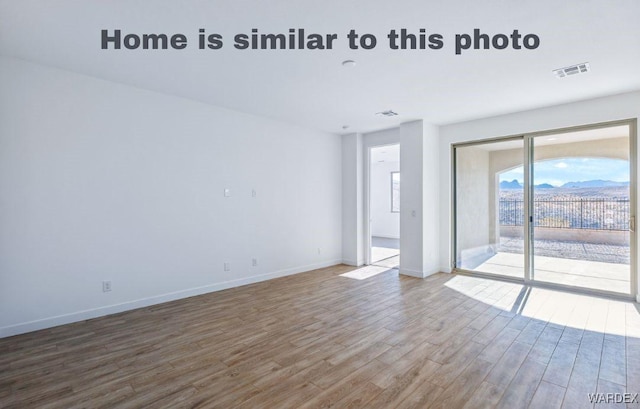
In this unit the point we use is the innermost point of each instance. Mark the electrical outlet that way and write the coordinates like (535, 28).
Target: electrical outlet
(227, 266)
(106, 286)
(227, 192)
(254, 262)
(253, 193)
(319, 250)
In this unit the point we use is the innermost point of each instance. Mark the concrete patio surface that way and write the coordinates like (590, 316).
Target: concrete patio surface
(576, 250)
(594, 266)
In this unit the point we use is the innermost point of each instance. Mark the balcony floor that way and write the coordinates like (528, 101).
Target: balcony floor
(575, 250)
(595, 266)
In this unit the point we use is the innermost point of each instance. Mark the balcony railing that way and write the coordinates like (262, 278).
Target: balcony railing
(593, 214)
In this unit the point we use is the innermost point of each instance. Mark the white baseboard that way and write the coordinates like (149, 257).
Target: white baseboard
(55, 321)
(385, 237)
(353, 263)
(411, 273)
(432, 272)
(418, 274)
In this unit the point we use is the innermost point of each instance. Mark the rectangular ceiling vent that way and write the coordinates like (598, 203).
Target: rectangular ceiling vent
(572, 70)
(387, 113)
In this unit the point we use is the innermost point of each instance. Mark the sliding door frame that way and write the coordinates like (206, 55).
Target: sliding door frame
(454, 201)
(528, 151)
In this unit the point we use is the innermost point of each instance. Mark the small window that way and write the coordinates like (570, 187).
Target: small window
(395, 192)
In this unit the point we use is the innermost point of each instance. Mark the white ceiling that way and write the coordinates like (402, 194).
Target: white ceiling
(312, 88)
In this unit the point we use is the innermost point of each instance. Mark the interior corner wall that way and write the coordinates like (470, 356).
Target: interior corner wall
(430, 199)
(352, 200)
(419, 205)
(605, 109)
(103, 181)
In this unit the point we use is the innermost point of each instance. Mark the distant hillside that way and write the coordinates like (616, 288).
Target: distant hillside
(594, 183)
(514, 184)
(544, 186)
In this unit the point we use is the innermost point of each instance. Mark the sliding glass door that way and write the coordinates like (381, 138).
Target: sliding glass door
(490, 207)
(553, 207)
(581, 208)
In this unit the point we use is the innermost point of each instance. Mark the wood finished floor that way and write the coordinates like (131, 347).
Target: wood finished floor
(321, 340)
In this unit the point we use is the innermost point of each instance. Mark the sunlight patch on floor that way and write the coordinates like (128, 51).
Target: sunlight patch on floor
(381, 253)
(365, 272)
(564, 309)
(577, 273)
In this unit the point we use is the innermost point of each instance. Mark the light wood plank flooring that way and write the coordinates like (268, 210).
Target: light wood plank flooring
(319, 339)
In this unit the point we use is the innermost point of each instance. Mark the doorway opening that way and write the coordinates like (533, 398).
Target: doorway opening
(384, 206)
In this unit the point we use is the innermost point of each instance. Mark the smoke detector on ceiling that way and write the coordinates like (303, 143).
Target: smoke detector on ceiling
(388, 112)
(572, 70)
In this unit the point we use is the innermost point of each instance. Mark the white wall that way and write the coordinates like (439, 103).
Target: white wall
(384, 137)
(617, 107)
(384, 223)
(101, 181)
(352, 200)
(419, 205)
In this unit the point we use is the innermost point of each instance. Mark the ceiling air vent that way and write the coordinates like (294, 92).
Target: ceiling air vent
(387, 113)
(572, 70)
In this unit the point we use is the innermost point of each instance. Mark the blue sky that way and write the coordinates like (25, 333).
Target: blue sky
(557, 172)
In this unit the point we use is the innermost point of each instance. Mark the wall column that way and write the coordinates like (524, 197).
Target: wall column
(419, 199)
(352, 200)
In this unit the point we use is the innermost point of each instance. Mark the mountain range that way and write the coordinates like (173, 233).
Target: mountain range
(595, 183)
(514, 184)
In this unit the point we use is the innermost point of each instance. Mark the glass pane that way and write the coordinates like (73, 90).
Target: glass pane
(490, 208)
(581, 209)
